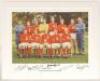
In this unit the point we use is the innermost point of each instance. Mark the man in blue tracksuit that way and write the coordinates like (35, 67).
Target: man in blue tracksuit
(80, 26)
(18, 29)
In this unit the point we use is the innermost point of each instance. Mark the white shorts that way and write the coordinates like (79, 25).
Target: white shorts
(35, 45)
(48, 45)
(41, 46)
(56, 45)
(66, 45)
(23, 45)
(73, 36)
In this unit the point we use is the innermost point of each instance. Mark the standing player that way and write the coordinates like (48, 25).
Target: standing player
(29, 27)
(55, 43)
(72, 30)
(80, 26)
(35, 32)
(61, 26)
(43, 31)
(29, 30)
(23, 43)
(64, 37)
(19, 29)
(60, 30)
(43, 27)
(53, 32)
(35, 25)
(52, 25)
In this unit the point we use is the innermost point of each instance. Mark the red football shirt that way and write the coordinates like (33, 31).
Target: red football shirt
(66, 37)
(35, 28)
(60, 35)
(52, 26)
(37, 38)
(61, 28)
(29, 29)
(23, 38)
(72, 28)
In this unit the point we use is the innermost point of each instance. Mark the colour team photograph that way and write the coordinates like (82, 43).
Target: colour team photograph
(50, 37)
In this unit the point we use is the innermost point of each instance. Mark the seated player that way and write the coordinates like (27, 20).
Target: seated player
(40, 50)
(35, 42)
(61, 52)
(55, 43)
(66, 45)
(61, 30)
(47, 43)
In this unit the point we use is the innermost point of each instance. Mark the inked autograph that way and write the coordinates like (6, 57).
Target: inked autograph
(50, 67)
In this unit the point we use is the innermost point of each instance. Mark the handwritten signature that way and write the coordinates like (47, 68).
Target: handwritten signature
(50, 67)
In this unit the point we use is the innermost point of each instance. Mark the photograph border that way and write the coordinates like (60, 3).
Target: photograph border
(3, 63)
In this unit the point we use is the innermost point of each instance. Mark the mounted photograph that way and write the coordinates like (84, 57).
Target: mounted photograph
(50, 37)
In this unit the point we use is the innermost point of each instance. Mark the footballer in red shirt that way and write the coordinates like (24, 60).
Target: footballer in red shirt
(61, 26)
(66, 38)
(24, 42)
(47, 41)
(54, 42)
(52, 24)
(35, 25)
(57, 44)
(29, 27)
(60, 41)
(35, 42)
(72, 30)
(24, 38)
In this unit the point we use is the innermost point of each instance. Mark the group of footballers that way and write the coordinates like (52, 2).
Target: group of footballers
(39, 38)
